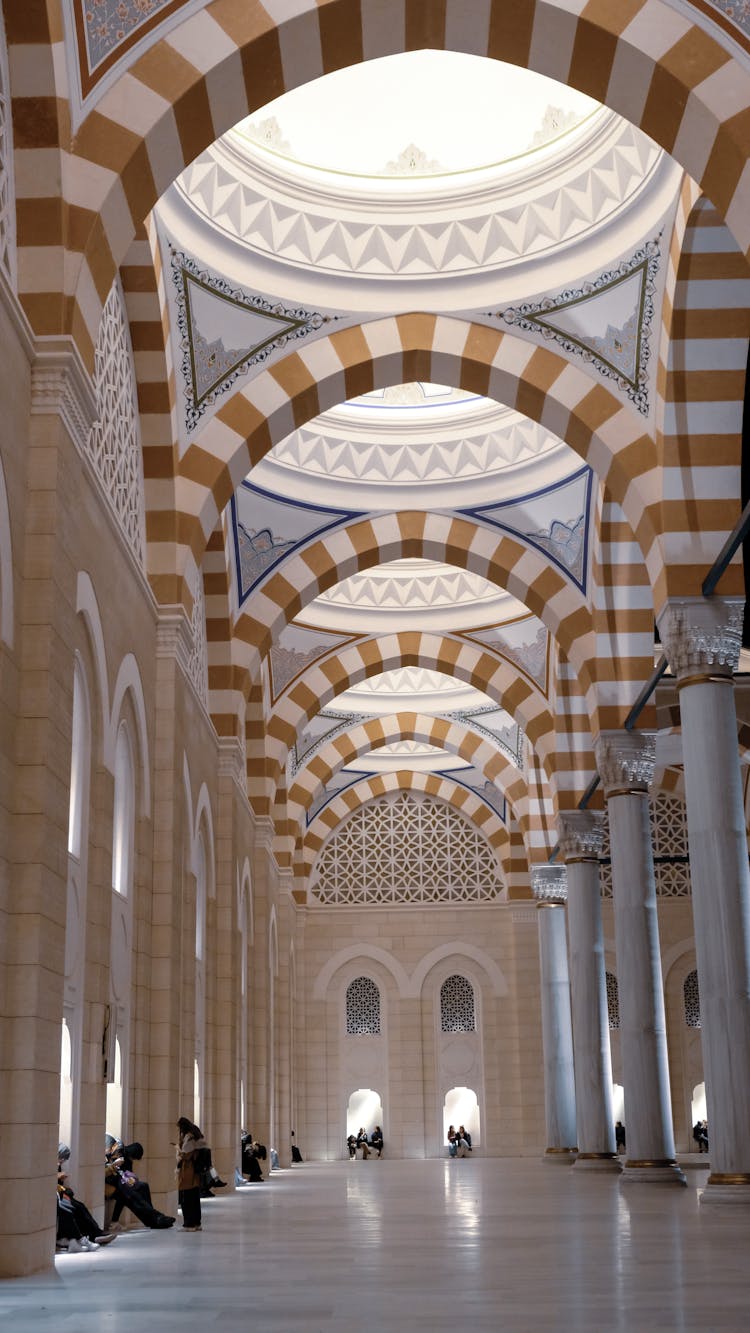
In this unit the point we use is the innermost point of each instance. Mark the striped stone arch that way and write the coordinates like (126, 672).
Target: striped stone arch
(485, 819)
(536, 381)
(699, 436)
(459, 739)
(646, 60)
(142, 277)
(346, 667)
(500, 559)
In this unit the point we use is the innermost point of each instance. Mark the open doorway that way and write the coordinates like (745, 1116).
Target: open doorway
(364, 1111)
(462, 1108)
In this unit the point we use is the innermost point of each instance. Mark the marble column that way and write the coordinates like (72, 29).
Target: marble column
(702, 640)
(625, 760)
(550, 891)
(580, 838)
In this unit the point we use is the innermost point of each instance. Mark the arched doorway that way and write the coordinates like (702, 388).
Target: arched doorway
(461, 1107)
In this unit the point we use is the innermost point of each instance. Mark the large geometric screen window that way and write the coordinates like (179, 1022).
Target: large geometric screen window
(692, 1000)
(362, 1008)
(406, 850)
(457, 1005)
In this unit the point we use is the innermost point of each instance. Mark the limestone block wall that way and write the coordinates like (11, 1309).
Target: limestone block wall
(412, 1064)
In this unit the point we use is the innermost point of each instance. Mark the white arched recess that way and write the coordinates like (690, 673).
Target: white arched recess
(273, 972)
(200, 865)
(459, 1056)
(121, 935)
(245, 919)
(125, 755)
(71, 1050)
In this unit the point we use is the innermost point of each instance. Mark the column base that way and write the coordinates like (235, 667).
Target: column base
(559, 1156)
(732, 1187)
(655, 1171)
(597, 1161)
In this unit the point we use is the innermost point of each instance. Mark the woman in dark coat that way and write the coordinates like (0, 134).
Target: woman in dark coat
(190, 1171)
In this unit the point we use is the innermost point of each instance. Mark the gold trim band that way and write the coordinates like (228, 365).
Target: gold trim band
(637, 789)
(557, 902)
(729, 1178)
(560, 1150)
(597, 1156)
(582, 860)
(645, 1162)
(705, 678)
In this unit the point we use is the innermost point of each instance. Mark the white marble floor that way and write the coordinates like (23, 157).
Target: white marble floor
(399, 1246)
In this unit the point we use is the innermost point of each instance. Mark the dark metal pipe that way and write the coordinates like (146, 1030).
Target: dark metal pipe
(735, 539)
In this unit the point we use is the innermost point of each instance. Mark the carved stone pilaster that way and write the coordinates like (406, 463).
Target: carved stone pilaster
(61, 386)
(625, 760)
(702, 634)
(232, 762)
(174, 636)
(580, 834)
(549, 884)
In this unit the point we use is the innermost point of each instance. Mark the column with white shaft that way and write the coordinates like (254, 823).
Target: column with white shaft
(548, 883)
(702, 640)
(580, 836)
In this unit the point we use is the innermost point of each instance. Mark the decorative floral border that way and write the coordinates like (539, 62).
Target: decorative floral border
(301, 323)
(532, 316)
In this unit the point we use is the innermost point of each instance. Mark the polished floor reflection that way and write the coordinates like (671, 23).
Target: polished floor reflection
(397, 1246)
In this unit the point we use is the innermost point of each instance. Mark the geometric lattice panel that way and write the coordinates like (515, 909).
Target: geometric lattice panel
(669, 840)
(457, 1005)
(692, 1000)
(362, 1008)
(403, 850)
(613, 999)
(113, 446)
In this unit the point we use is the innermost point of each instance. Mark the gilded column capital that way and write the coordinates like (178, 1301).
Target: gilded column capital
(702, 636)
(580, 834)
(549, 885)
(625, 760)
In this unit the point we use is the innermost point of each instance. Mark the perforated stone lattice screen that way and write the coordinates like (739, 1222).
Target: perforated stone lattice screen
(692, 1000)
(668, 838)
(406, 849)
(613, 999)
(113, 447)
(198, 662)
(457, 1005)
(362, 1008)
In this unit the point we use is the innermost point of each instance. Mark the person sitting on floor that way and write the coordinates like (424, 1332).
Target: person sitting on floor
(351, 1144)
(376, 1141)
(125, 1188)
(77, 1228)
(452, 1142)
(363, 1144)
(463, 1140)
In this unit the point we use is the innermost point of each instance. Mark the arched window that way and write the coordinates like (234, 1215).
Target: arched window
(79, 761)
(124, 820)
(362, 1008)
(692, 1000)
(613, 1000)
(457, 1005)
(200, 898)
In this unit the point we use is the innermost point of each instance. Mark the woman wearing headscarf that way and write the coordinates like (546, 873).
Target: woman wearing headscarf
(192, 1156)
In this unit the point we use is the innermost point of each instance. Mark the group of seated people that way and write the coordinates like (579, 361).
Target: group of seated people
(459, 1141)
(361, 1143)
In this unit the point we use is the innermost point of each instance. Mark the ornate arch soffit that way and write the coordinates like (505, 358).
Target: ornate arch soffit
(533, 380)
(233, 60)
(526, 574)
(490, 774)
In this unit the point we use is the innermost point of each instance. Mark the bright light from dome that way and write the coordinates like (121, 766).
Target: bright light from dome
(422, 113)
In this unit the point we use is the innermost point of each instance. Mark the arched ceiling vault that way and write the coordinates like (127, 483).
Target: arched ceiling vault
(670, 77)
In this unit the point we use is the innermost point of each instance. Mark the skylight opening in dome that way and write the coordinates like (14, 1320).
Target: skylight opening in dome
(416, 115)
